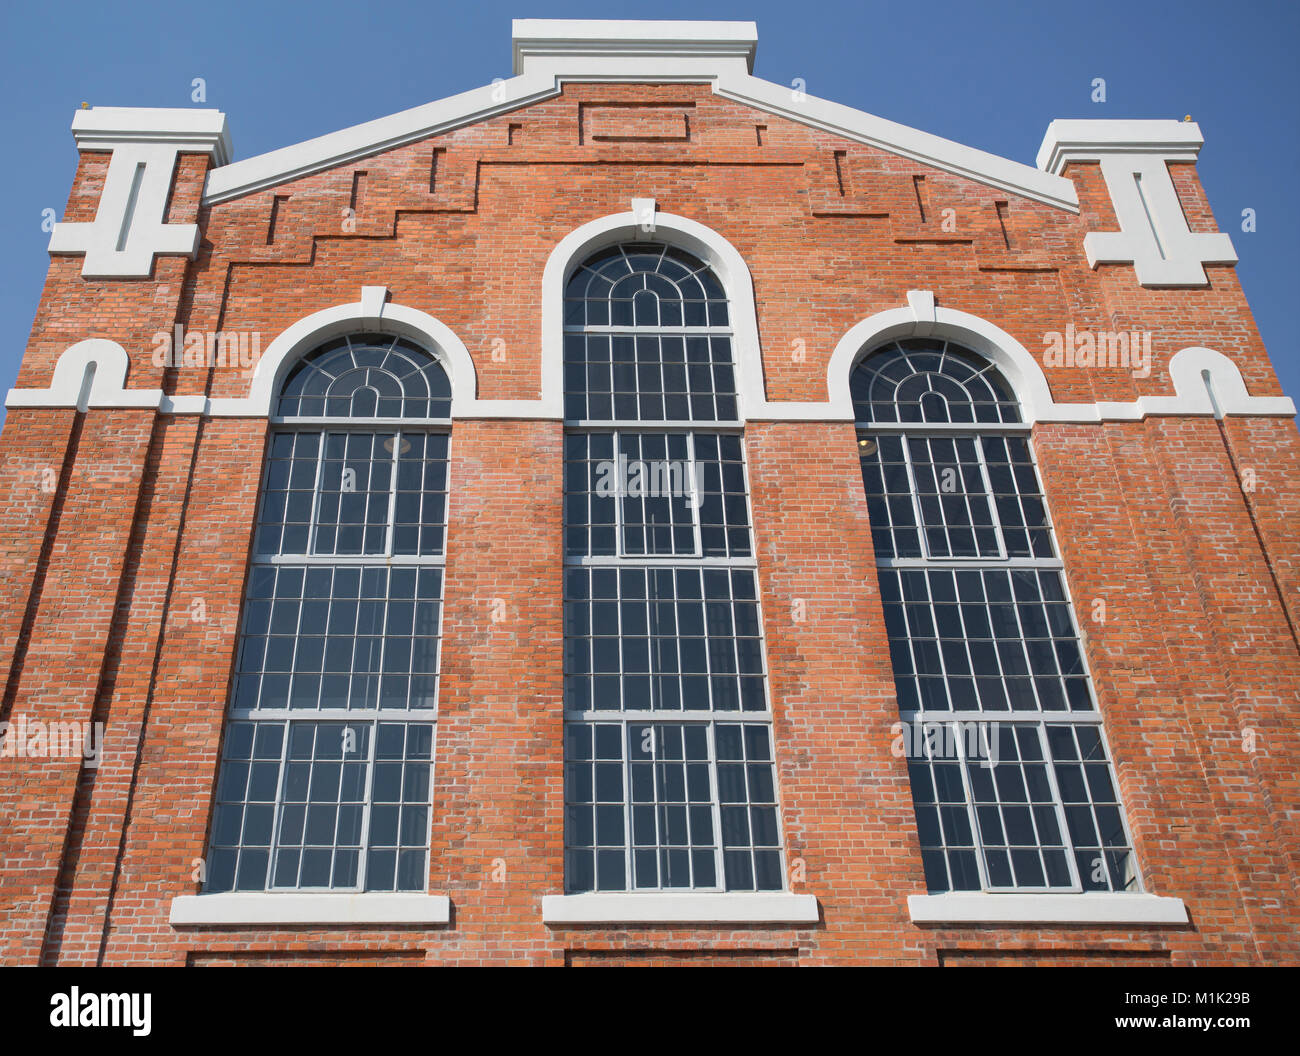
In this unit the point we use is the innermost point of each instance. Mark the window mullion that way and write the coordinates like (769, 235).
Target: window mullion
(656, 783)
(991, 499)
(695, 501)
(625, 753)
(363, 866)
(715, 796)
(1038, 494)
(1058, 802)
(297, 637)
(915, 496)
(932, 464)
(1024, 643)
(389, 529)
(316, 494)
(938, 639)
(708, 653)
(621, 674)
(972, 814)
(620, 493)
(274, 851)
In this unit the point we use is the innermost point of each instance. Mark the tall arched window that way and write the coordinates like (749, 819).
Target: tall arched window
(669, 768)
(327, 760)
(1010, 775)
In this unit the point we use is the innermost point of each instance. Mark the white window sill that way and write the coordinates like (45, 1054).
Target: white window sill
(257, 907)
(976, 907)
(663, 907)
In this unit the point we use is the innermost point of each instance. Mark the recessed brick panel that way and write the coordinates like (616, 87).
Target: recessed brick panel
(628, 123)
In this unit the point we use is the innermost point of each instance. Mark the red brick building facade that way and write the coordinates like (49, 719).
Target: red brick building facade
(183, 294)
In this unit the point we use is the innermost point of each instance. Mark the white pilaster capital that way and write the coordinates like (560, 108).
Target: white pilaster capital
(129, 229)
(1134, 158)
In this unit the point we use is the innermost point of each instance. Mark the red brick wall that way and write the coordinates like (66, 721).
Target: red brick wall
(150, 518)
(59, 675)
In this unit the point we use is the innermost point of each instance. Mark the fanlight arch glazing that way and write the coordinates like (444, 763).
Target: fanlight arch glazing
(644, 284)
(920, 380)
(366, 376)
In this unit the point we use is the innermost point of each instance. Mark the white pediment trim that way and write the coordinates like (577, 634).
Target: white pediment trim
(550, 52)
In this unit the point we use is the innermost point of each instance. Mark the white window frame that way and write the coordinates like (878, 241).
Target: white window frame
(711, 717)
(621, 560)
(636, 424)
(372, 717)
(1042, 717)
(923, 535)
(621, 496)
(710, 720)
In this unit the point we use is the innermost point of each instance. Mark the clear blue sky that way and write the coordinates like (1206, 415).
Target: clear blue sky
(988, 74)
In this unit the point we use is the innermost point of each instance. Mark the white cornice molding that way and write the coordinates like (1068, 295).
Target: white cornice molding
(924, 147)
(1068, 140)
(548, 53)
(374, 137)
(189, 131)
(615, 47)
(1154, 236)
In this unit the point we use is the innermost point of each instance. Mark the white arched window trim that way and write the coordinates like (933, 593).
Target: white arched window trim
(644, 224)
(369, 315)
(1193, 370)
(920, 317)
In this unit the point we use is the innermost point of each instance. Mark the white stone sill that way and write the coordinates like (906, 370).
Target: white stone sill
(778, 907)
(272, 908)
(974, 907)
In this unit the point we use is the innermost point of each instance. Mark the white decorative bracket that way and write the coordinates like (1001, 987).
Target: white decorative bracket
(921, 303)
(372, 301)
(644, 211)
(91, 373)
(129, 228)
(1153, 236)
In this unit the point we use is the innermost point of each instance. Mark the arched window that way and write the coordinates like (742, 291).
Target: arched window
(1011, 779)
(647, 338)
(327, 761)
(669, 767)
